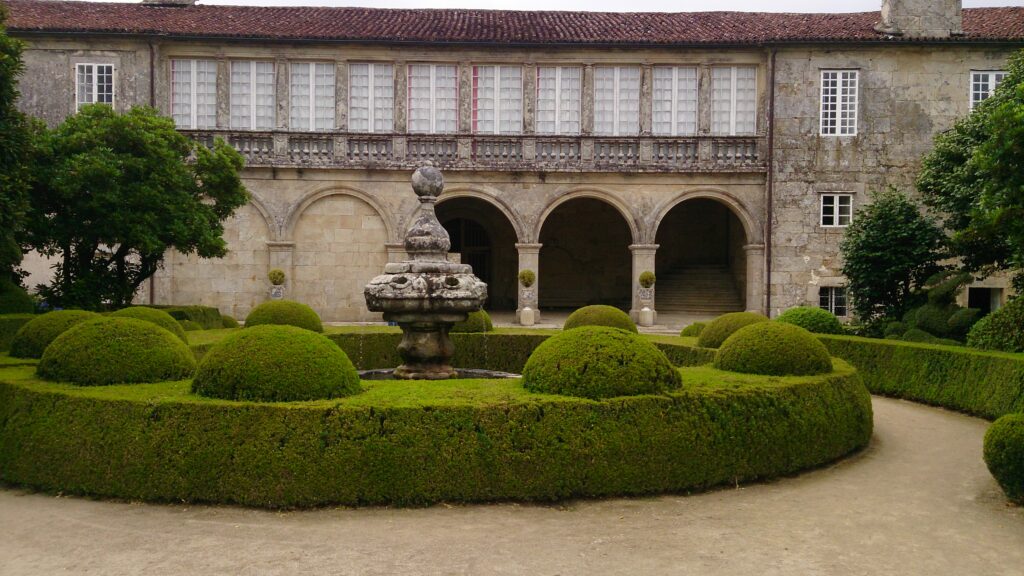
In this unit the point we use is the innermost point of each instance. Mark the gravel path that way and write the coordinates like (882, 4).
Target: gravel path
(918, 501)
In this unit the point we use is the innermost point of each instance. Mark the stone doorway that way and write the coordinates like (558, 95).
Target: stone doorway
(483, 238)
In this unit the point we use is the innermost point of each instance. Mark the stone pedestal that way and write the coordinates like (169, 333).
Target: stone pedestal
(529, 259)
(643, 259)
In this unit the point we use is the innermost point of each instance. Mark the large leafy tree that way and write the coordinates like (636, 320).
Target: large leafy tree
(973, 180)
(115, 192)
(889, 251)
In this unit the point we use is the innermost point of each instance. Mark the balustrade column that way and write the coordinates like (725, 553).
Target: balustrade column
(643, 260)
(529, 259)
(755, 278)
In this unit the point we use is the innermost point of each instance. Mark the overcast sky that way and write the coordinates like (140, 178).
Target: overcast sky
(615, 5)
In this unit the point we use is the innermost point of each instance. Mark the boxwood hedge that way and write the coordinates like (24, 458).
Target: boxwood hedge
(9, 326)
(1004, 455)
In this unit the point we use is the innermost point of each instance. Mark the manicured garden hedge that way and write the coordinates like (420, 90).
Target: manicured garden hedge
(9, 326)
(207, 316)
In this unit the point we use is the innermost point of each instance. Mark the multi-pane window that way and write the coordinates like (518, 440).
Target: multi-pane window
(94, 83)
(839, 102)
(836, 209)
(194, 93)
(559, 95)
(674, 106)
(371, 106)
(497, 99)
(252, 95)
(983, 85)
(433, 98)
(733, 100)
(617, 100)
(833, 299)
(312, 96)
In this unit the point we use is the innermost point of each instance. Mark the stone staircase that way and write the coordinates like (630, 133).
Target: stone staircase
(701, 290)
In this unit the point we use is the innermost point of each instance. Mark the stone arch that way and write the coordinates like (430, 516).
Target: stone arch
(273, 225)
(482, 194)
(603, 195)
(297, 209)
(752, 225)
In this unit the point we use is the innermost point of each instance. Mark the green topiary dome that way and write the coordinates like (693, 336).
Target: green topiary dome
(599, 362)
(275, 364)
(286, 312)
(190, 325)
(693, 330)
(773, 349)
(14, 299)
(33, 338)
(1001, 330)
(1004, 454)
(722, 327)
(228, 321)
(158, 317)
(599, 315)
(812, 319)
(479, 321)
(116, 351)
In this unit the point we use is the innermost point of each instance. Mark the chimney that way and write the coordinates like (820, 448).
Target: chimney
(921, 18)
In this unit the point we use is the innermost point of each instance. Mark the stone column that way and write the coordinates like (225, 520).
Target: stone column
(704, 100)
(223, 93)
(401, 96)
(529, 259)
(465, 103)
(529, 98)
(755, 278)
(646, 102)
(281, 256)
(282, 77)
(643, 259)
(341, 96)
(587, 101)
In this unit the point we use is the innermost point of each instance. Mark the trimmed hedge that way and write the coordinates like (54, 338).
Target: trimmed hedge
(812, 319)
(190, 326)
(207, 316)
(477, 321)
(9, 326)
(14, 299)
(158, 317)
(1004, 454)
(599, 315)
(693, 330)
(724, 326)
(285, 312)
(33, 338)
(599, 362)
(773, 348)
(228, 321)
(115, 351)
(1001, 330)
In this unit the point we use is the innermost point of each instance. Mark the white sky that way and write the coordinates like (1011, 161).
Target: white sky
(614, 5)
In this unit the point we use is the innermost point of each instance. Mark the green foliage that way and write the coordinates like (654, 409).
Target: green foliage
(944, 287)
(773, 349)
(208, 317)
(14, 299)
(478, 321)
(599, 315)
(599, 362)
(1004, 455)
(724, 326)
(934, 318)
(693, 330)
(895, 329)
(286, 312)
(276, 276)
(961, 322)
(647, 279)
(33, 337)
(275, 364)
(917, 335)
(228, 321)
(527, 278)
(888, 251)
(115, 192)
(116, 351)
(10, 324)
(1001, 330)
(189, 325)
(811, 318)
(158, 317)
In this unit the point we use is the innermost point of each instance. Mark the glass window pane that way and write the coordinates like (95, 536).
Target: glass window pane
(359, 98)
(241, 95)
(299, 93)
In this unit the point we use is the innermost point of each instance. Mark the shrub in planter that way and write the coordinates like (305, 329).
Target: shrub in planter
(1001, 330)
(527, 278)
(33, 338)
(773, 349)
(478, 321)
(14, 299)
(693, 329)
(116, 350)
(647, 279)
(599, 315)
(276, 277)
(812, 319)
(228, 321)
(158, 317)
(1004, 454)
(190, 325)
(722, 327)
(599, 362)
(287, 312)
(275, 364)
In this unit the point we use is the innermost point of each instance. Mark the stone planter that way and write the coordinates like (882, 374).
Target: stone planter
(277, 292)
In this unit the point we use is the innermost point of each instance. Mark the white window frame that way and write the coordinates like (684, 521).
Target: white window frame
(992, 77)
(617, 100)
(95, 83)
(252, 95)
(830, 300)
(193, 92)
(836, 213)
(310, 110)
(498, 109)
(559, 119)
(734, 89)
(674, 121)
(831, 120)
(371, 104)
(433, 97)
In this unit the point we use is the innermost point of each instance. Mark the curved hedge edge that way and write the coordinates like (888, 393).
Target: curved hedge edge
(9, 326)
(976, 382)
(283, 456)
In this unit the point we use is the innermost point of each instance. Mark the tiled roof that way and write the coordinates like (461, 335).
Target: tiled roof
(477, 26)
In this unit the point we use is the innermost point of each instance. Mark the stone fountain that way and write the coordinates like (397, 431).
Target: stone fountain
(426, 295)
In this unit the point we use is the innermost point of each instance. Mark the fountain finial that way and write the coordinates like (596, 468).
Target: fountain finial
(427, 182)
(426, 239)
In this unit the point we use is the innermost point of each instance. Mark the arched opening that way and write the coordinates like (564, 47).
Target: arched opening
(483, 237)
(700, 263)
(584, 256)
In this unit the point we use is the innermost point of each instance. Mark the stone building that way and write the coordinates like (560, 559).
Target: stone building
(726, 152)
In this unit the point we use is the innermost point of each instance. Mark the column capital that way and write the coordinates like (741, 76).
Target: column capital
(641, 248)
(527, 248)
(753, 247)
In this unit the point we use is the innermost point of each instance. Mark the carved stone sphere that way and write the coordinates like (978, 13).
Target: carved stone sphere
(427, 181)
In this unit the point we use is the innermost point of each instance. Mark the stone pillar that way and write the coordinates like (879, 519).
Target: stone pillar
(401, 97)
(529, 259)
(529, 98)
(223, 94)
(646, 102)
(587, 101)
(281, 256)
(282, 77)
(755, 278)
(643, 259)
(341, 96)
(704, 99)
(465, 93)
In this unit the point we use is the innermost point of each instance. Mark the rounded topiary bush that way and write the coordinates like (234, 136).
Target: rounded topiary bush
(1001, 330)
(14, 299)
(275, 364)
(286, 312)
(599, 362)
(812, 319)
(478, 321)
(33, 338)
(158, 317)
(693, 330)
(599, 315)
(773, 349)
(724, 326)
(228, 321)
(1004, 454)
(190, 325)
(116, 351)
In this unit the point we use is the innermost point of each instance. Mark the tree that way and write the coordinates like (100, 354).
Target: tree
(115, 192)
(889, 250)
(972, 179)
